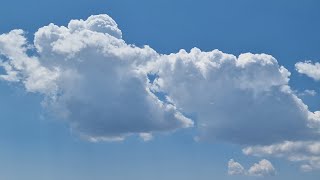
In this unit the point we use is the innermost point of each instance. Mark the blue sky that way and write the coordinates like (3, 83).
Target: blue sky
(36, 144)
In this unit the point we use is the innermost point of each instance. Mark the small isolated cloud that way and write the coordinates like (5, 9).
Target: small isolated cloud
(146, 136)
(309, 69)
(262, 169)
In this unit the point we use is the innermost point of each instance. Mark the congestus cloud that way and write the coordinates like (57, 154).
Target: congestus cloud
(102, 86)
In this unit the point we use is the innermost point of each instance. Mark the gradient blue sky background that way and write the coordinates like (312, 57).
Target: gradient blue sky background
(34, 147)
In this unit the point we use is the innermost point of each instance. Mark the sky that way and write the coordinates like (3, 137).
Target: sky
(118, 90)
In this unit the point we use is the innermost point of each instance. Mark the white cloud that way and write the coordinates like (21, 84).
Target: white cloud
(310, 69)
(101, 85)
(308, 92)
(262, 169)
(244, 100)
(146, 136)
(91, 78)
(305, 152)
(235, 168)
(20, 67)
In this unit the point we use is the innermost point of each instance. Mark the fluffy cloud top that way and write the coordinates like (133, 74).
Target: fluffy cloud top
(309, 69)
(262, 169)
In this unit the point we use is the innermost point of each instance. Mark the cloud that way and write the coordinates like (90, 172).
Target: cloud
(90, 77)
(309, 69)
(305, 152)
(308, 92)
(22, 68)
(244, 100)
(107, 90)
(146, 136)
(306, 168)
(262, 169)
(235, 168)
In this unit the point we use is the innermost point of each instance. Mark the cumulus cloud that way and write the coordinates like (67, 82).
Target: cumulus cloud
(243, 100)
(262, 169)
(309, 69)
(235, 168)
(305, 152)
(107, 89)
(90, 77)
(22, 68)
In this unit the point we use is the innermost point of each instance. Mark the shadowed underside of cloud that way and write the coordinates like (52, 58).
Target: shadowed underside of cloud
(101, 85)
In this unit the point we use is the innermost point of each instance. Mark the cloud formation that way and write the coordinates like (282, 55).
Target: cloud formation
(305, 152)
(261, 169)
(107, 89)
(307, 92)
(309, 69)
(90, 77)
(244, 100)
(235, 168)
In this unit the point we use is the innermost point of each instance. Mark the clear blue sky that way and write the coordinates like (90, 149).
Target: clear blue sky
(35, 146)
